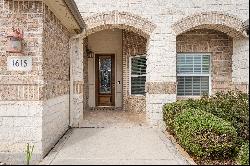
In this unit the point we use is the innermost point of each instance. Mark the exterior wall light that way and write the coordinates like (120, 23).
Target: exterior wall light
(246, 27)
(90, 53)
(15, 39)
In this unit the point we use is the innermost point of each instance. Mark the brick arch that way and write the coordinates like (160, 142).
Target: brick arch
(228, 24)
(120, 20)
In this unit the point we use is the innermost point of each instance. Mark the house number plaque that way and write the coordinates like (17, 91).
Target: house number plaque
(20, 63)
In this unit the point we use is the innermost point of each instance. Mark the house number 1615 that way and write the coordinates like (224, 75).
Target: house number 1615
(21, 63)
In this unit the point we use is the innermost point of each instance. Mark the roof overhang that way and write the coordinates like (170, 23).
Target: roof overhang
(67, 12)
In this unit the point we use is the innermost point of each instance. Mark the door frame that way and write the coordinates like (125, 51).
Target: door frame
(113, 86)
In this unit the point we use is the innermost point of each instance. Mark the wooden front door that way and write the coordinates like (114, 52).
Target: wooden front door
(105, 80)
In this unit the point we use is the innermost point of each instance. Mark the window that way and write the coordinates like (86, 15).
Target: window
(138, 66)
(193, 74)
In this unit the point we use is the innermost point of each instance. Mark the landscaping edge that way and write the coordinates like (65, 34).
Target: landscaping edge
(179, 148)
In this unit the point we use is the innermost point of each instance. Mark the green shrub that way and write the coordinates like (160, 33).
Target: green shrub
(204, 134)
(232, 107)
(170, 111)
(243, 158)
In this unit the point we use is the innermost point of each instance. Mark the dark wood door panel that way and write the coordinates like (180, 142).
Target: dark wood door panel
(105, 100)
(105, 80)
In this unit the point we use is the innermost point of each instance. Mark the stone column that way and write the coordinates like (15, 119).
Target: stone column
(76, 82)
(161, 77)
(240, 66)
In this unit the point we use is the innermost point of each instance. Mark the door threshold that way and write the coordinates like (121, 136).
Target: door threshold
(106, 108)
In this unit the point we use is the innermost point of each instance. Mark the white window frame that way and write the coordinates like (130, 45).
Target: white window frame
(197, 75)
(130, 74)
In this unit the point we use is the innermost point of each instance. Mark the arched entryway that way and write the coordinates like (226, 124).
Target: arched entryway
(118, 39)
(211, 54)
(222, 22)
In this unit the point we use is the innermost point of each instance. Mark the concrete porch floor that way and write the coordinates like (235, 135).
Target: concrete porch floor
(114, 138)
(111, 118)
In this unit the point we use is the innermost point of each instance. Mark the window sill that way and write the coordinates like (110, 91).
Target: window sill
(137, 95)
(188, 97)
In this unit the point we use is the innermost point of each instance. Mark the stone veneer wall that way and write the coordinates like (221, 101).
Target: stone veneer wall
(85, 91)
(56, 75)
(20, 92)
(164, 23)
(133, 44)
(240, 66)
(220, 45)
(34, 105)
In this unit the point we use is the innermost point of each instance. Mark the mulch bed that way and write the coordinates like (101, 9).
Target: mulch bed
(200, 161)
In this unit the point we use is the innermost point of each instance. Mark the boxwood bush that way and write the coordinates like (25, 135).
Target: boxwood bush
(243, 158)
(204, 134)
(170, 111)
(232, 106)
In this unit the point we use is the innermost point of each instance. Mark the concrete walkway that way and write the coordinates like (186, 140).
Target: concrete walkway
(111, 145)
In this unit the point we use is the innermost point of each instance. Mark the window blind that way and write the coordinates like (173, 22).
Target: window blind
(193, 74)
(138, 75)
(193, 64)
